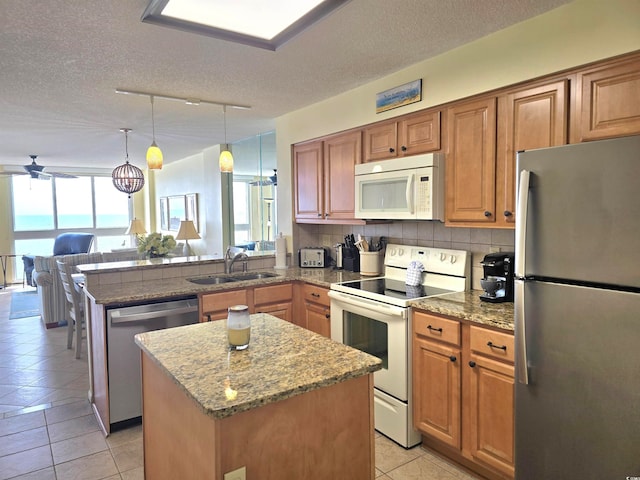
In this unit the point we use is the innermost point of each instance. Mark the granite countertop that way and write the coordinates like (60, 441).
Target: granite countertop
(468, 306)
(162, 288)
(282, 360)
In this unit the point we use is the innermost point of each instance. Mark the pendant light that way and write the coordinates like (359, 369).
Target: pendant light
(127, 178)
(154, 154)
(226, 159)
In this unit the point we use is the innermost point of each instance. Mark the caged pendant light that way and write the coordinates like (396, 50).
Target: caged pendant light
(154, 154)
(127, 178)
(226, 159)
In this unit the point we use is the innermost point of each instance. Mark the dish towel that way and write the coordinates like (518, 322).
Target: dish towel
(414, 273)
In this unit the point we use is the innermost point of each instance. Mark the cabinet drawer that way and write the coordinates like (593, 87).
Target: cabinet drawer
(436, 328)
(272, 294)
(213, 302)
(315, 294)
(493, 344)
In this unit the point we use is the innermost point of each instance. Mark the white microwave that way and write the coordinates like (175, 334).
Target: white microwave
(409, 188)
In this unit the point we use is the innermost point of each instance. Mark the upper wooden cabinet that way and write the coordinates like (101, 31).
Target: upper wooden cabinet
(608, 100)
(470, 171)
(309, 182)
(324, 173)
(409, 135)
(532, 117)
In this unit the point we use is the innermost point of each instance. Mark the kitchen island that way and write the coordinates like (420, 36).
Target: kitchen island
(293, 405)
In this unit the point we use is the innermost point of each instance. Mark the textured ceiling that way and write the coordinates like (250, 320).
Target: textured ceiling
(61, 61)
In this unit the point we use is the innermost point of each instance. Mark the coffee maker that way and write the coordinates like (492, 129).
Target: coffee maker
(497, 282)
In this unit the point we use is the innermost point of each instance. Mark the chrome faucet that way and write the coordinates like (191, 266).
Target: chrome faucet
(231, 257)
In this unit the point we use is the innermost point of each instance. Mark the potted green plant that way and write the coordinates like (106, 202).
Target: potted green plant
(156, 245)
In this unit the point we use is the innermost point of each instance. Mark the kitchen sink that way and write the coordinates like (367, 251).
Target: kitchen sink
(252, 276)
(217, 279)
(212, 280)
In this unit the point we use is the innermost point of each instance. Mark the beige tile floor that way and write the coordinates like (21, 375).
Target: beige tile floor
(48, 430)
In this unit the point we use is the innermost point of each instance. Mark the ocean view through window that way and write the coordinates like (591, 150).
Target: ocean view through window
(42, 209)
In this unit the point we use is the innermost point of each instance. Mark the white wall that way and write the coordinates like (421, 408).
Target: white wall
(575, 34)
(196, 174)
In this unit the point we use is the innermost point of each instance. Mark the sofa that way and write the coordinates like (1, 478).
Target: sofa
(64, 244)
(51, 297)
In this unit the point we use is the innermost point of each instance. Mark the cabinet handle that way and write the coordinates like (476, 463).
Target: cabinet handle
(314, 294)
(453, 358)
(472, 364)
(391, 150)
(403, 148)
(439, 330)
(319, 215)
(208, 317)
(490, 344)
(507, 213)
(487, 213)
(326, 214)
(327, 315)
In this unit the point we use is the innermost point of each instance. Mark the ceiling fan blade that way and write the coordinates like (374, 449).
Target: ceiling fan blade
(58, 175)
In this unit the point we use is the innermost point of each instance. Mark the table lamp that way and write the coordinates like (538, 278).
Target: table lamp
(136, 227)
(186, 232)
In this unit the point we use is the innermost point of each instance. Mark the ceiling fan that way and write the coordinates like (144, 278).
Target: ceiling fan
(272, 180)
(37, 171)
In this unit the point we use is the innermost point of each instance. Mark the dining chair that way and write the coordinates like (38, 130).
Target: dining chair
(76, 306)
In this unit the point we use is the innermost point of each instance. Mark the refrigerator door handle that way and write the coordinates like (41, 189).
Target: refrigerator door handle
(521, 223)
(522, 366)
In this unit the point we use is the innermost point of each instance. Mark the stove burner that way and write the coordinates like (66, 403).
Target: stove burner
(394, 288)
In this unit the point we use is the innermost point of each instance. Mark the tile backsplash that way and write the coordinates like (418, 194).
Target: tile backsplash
(478, 241)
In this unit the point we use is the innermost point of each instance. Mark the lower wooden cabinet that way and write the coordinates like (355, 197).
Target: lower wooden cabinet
(316, 310)
(463, 392)
(276, 300)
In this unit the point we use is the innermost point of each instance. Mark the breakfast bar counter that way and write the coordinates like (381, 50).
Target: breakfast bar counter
(294, 404)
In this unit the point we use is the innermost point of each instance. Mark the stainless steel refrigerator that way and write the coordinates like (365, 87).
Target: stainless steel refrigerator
(577, 312)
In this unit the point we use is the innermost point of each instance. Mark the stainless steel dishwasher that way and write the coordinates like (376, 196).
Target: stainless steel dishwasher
(123, 355)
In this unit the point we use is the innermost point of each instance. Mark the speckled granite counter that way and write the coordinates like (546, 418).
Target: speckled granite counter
(138, 289)
(282, 361)
(468, 306)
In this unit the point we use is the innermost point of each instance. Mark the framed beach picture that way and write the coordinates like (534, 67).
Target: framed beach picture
(177, 211)
(192, 209)
(398, 96)
(164, 213)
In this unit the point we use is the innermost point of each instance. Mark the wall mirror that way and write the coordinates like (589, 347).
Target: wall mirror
(254, 192)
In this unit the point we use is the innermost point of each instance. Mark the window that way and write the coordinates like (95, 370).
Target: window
(42, 209)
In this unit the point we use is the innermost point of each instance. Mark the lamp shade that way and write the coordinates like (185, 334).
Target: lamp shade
(154, 157)
(136, 228)
(226, 162)
(187, 231)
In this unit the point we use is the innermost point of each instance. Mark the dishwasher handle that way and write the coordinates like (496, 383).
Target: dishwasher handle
(120, 316)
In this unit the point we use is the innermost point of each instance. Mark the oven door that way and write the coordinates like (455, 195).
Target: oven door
(378, 329)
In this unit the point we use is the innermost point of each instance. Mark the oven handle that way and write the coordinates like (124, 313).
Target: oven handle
(367, 304)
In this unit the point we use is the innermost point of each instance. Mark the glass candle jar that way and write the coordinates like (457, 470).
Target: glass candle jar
(238, 327)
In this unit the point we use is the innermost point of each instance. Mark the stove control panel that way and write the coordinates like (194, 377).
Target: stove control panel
(435, 260)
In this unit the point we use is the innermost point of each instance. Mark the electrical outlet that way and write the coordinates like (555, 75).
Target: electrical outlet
(494, 249)
(326, 240)
(237, 474)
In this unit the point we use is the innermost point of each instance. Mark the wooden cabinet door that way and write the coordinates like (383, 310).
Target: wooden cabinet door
(214, 306)
(534, 117)
(608, 100)
(419, 133)
(491, 397)
(471, 162)
(308, 183)
(436, 391)
(280, 310)
(318, 318)
(381, 141)
(341, 154)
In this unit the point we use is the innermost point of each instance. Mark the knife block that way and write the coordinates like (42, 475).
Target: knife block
(351, 263)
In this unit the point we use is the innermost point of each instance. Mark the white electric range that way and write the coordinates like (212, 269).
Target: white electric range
(373, 315)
